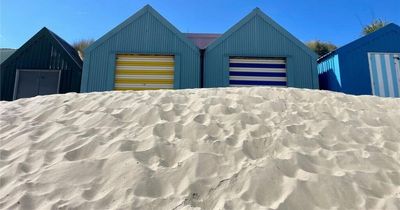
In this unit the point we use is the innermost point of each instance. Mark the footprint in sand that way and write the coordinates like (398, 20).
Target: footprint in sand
(4, 154)
(153, 188)
(82, 152)
(164, 130)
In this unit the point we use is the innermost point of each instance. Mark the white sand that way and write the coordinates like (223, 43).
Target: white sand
(248, 148)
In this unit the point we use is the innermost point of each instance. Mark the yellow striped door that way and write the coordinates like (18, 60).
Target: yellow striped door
(144, 72)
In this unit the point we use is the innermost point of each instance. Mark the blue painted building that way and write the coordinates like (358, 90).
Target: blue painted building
(258, 51)
(367, 66)
(144, 52)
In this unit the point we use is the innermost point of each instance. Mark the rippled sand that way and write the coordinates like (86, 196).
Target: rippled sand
(228, 148)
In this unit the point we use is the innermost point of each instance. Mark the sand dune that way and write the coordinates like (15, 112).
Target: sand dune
(243, 148)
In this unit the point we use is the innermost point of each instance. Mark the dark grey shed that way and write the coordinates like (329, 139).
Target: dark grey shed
(45, 64)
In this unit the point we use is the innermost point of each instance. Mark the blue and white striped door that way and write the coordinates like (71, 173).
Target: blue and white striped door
(385, 74)
(257, 71)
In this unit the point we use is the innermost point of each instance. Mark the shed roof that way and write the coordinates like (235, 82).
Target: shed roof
(202, 40)
(69, 50)
(269, 21)
(363, 40)
(134, 17)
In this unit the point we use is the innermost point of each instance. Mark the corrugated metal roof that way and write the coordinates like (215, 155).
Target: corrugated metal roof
(363, 40)
(257, 12)
(72, 53)
(146, 9)
(202, 40)
(5, 53)
(68, 48)
(367, 38)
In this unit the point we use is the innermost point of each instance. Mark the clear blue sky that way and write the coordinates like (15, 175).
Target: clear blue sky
(337, 21)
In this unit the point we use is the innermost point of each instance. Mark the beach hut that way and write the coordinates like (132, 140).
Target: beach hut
(367, 66)
(258, 51)
(45, 64)
(144, 52)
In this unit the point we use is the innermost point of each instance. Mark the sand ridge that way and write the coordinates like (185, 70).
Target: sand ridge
(223, 148)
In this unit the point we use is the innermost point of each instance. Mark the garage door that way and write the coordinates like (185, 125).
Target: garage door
(144, 72)
(34, 82)
(385, 74)
(257, 71)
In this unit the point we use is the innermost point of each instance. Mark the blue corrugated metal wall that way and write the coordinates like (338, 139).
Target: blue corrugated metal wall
(258, 38)
(145, 34)
(329, 73)
(354, 65)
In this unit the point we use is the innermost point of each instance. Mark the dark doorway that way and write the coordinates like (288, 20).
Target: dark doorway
(30, 83)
